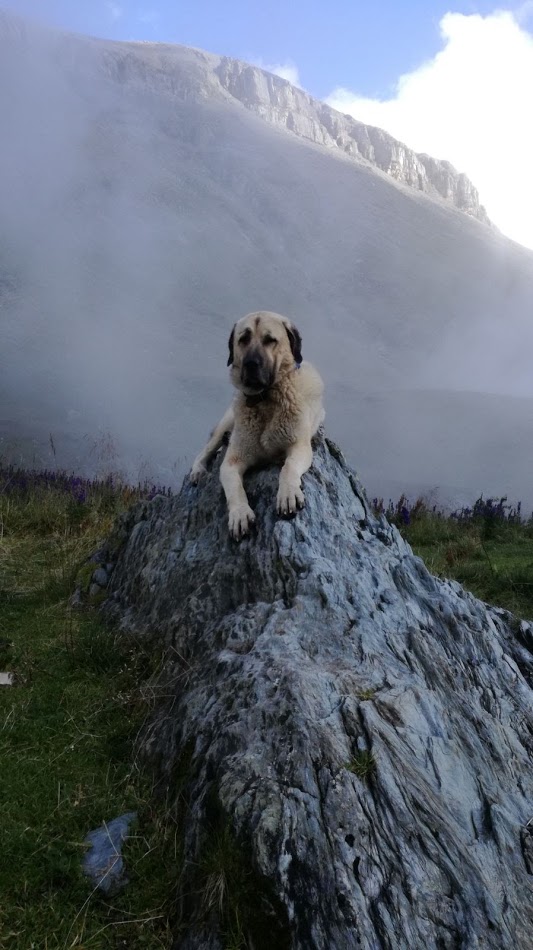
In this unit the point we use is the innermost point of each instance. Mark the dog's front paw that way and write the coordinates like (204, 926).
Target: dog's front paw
(196, 472)
(240, 521)
(290, 499)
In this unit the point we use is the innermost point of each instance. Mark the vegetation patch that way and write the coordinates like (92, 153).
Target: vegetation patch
(366, 694)
(223, 893)
(487, 547)
(67, 729)
(363, 764)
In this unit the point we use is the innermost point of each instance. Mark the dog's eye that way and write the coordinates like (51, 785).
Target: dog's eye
(269, 340)
(246, 337)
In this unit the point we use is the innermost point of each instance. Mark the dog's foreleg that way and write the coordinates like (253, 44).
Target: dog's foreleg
(240, 515)
(290, 494)
(224, 426)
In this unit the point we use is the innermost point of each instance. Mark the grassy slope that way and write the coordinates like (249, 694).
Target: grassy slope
(67, 727)
(487, 549)
(66, 732)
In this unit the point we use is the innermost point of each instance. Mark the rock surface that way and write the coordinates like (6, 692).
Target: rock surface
(284, 105)
(103, 862)
(361, 729)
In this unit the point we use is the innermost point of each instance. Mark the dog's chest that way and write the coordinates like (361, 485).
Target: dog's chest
(272, 432)
(274, 442)
(277, 434)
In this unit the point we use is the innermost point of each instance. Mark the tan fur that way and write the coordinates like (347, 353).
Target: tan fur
(279, 425)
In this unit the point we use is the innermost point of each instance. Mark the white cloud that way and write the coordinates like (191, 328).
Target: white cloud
(115, 10)
(286, 71)
(470, 104)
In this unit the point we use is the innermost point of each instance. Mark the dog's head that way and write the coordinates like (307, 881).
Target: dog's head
(262, 348)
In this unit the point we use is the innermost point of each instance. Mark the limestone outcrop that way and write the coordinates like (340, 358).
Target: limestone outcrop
(284, 105)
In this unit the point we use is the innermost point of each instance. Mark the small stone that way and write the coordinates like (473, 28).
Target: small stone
(103, 862)
(7, 679)
(95, 590)
(100, 577)
(77, 599)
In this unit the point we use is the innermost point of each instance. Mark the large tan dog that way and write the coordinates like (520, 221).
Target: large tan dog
(276, 412)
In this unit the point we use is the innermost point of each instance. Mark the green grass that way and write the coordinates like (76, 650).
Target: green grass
(66, 740)
(363, 764)
(493, 558)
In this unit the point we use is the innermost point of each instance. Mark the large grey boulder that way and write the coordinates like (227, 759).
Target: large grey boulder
(346, 739)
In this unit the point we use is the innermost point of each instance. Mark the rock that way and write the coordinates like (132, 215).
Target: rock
(91, 582)
(103, 862)
(356, 732)
(7, 679)
(100, 577)
(282, 104)
(76, 599)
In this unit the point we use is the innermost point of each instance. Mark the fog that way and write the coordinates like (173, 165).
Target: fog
(143, 211)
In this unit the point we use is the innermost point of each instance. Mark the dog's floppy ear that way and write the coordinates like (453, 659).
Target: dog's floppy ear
(230, 344)
(295, 340)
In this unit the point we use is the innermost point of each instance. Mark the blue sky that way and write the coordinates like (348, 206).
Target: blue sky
(358, 45)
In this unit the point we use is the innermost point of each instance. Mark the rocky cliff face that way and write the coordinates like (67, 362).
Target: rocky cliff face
(189, 73)
(346, 739)
(280, 103)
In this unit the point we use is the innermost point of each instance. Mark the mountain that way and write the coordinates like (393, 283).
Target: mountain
(281, 104)
(152, 194)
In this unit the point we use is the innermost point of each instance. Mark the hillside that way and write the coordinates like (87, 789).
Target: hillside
(148, 201)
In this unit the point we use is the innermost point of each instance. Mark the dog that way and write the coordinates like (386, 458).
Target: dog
(275, 413)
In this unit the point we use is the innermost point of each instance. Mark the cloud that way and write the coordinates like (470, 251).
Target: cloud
(286, 71)
(470, 104)
(115, 10)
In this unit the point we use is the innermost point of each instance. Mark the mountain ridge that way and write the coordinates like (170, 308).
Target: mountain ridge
(286, 106)
(277, 101)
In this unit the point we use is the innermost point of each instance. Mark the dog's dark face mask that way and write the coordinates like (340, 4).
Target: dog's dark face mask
(257, 370)
(262, 346)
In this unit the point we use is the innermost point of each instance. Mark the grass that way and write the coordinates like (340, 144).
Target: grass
(363, 764)
(66, 733)
(488, 548)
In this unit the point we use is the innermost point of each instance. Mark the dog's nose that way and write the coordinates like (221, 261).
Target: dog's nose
(251, 363)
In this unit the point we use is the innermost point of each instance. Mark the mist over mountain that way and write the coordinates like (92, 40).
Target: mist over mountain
(151, 194)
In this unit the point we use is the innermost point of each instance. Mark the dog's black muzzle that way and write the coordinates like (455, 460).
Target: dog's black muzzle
(255, 375)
